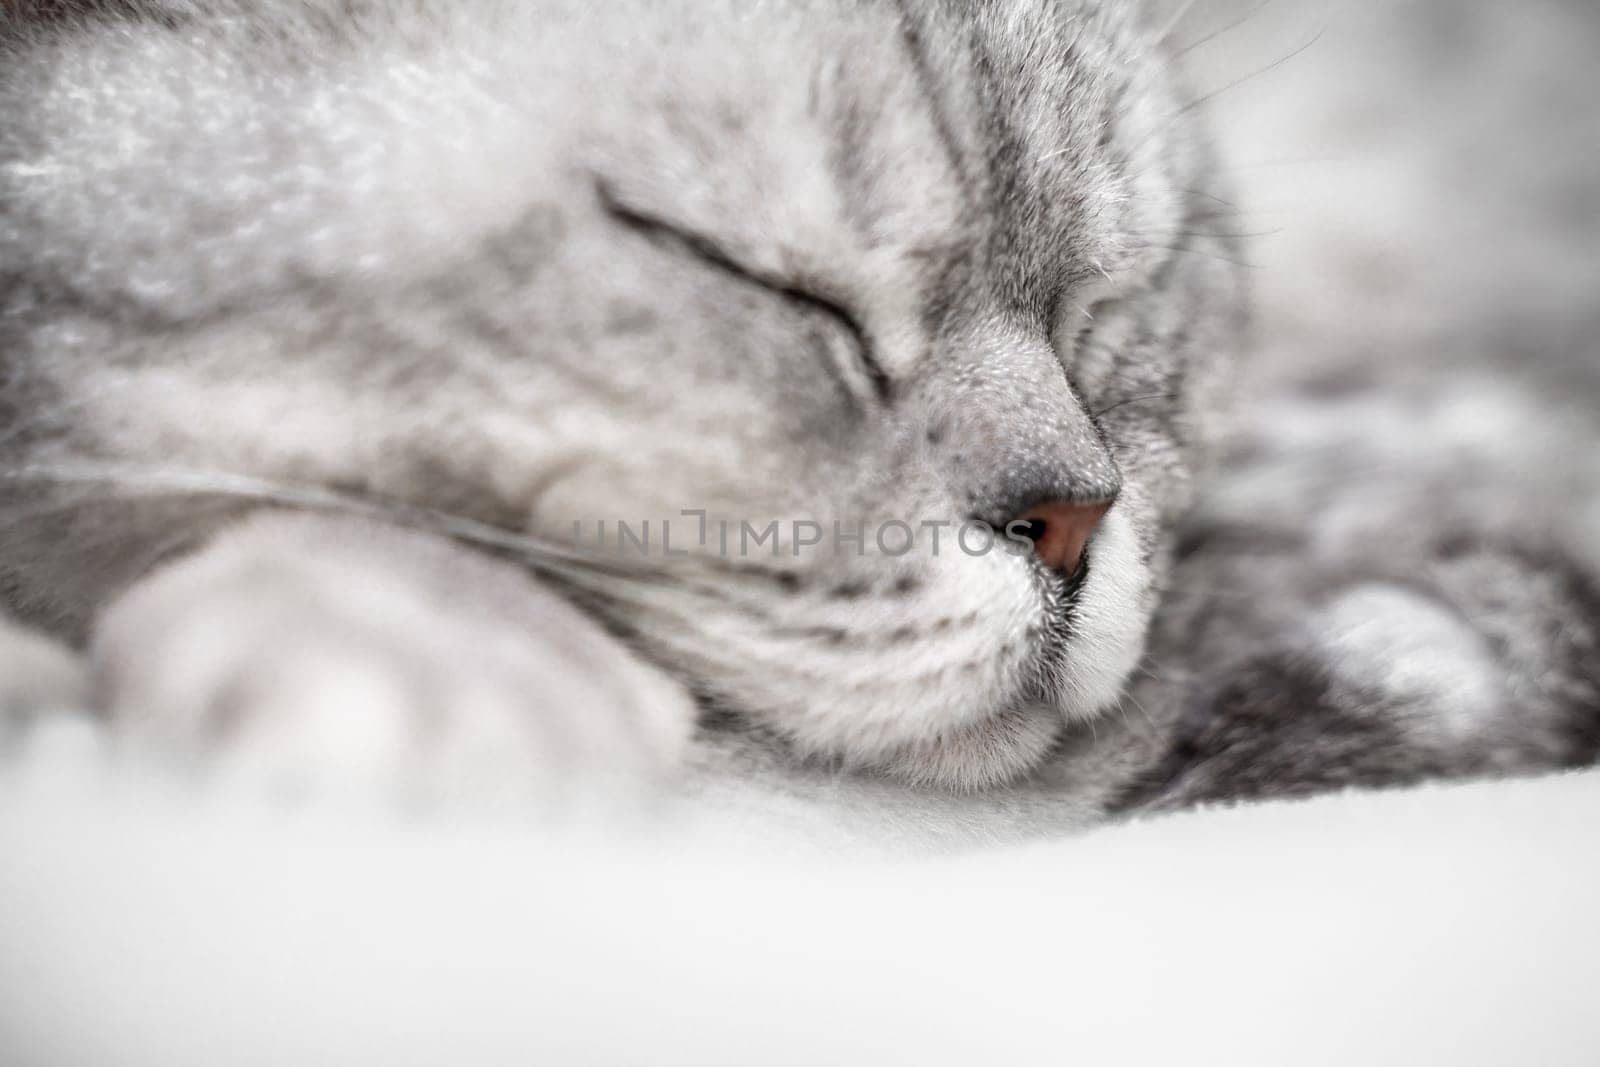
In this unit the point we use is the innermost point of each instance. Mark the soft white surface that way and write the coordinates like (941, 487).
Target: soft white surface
(1449, 925)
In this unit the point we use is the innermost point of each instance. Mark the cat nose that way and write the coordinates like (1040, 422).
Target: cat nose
(1060, 531)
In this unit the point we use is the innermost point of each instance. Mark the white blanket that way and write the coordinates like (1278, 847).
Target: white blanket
(1443, 925)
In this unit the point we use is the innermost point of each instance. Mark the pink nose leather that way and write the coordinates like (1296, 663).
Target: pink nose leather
(1061, 531)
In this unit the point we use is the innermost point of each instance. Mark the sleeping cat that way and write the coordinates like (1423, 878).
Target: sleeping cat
(343, 340)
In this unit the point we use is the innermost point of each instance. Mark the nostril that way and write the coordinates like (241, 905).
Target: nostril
(1060, 531)
(1033, 529)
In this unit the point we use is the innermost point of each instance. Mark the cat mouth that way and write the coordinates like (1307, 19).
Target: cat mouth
(1053, 657)
(1073, 581)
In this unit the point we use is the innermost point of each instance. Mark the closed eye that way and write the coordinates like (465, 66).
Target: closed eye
(708, 252)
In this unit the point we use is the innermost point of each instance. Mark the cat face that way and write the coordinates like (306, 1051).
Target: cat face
(811, 290)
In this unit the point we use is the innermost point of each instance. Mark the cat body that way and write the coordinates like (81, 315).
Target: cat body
(331, 332)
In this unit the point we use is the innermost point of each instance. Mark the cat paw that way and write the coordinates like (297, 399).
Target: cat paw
(315, 659)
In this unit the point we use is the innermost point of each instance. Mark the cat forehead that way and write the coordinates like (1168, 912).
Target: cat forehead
(835, 158)
(883, 133)
(825, 138)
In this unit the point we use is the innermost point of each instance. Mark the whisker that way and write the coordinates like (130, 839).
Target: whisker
(1195, 235)
(1237, 235)
(1176, 19)
(1213, 197)
(1270, 67)
(1186, 250)
(132, 481)
(1229, 28)
(1136, 400)
(579, 568)
(1150, 672)
(1155, 731)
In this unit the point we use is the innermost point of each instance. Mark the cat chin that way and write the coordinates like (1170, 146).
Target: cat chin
(987, 754)
(1106, 643)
